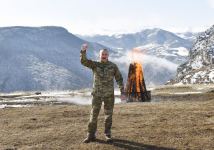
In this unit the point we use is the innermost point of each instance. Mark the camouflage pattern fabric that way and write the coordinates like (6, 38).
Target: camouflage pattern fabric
(103, 91)
(108, 111)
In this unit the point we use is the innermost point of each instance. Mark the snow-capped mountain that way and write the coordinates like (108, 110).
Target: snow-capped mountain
(191, 36)
(157, 42)
(147, 36)
(199, 68)
(43, 58)
(47, 58)
(162, 51)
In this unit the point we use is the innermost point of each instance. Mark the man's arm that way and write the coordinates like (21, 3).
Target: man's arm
(119, 80)
(83, 58)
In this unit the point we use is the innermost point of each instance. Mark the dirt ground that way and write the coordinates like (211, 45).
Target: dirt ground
(163, 125)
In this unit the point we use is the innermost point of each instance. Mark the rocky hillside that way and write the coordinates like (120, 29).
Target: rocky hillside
(200, 66)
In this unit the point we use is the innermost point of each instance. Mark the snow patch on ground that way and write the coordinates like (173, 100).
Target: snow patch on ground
(47, 98)
(148, 46)
(13, 106)
(183, 93)
(182, 51)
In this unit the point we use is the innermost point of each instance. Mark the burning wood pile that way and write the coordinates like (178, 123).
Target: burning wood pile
(136, 88)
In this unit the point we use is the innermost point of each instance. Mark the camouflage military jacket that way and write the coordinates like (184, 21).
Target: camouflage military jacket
(103, 76)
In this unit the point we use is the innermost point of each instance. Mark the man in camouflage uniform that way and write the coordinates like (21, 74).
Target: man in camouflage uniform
(104, 73)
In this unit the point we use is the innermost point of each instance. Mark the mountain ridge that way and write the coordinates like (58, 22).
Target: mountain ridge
(200, 66)
(42, 58)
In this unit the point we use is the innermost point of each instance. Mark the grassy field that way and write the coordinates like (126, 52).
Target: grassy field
(186, 124)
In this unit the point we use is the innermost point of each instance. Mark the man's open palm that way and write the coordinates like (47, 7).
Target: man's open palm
(84, 47)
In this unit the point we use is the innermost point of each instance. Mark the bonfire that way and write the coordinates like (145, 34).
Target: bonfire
(136, 87)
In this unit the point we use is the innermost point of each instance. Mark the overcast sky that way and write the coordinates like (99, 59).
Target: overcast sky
(109, 16)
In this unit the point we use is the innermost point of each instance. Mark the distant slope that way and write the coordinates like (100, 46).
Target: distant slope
(147, 36)
(162, 51)
(191, 36)
(43, 58)
(47, 58)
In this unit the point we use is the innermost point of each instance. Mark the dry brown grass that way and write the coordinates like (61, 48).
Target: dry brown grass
(161, 125)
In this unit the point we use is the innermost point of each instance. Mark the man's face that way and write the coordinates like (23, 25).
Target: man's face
(103, 56)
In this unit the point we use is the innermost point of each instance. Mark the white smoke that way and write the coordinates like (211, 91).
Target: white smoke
(81, 100)
(78, 100)
(157, 62)
(53, 97)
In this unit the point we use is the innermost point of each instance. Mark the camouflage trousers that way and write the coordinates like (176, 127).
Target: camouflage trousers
(108, 111)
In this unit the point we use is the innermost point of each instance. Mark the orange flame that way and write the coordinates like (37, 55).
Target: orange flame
(139, 76)
(135, 78)
(135, 81)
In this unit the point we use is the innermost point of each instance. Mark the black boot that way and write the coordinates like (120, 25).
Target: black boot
(89, 138)
(108, 138)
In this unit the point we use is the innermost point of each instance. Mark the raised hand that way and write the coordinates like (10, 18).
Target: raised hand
(84, 47)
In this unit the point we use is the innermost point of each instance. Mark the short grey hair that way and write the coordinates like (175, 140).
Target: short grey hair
(104, 50)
